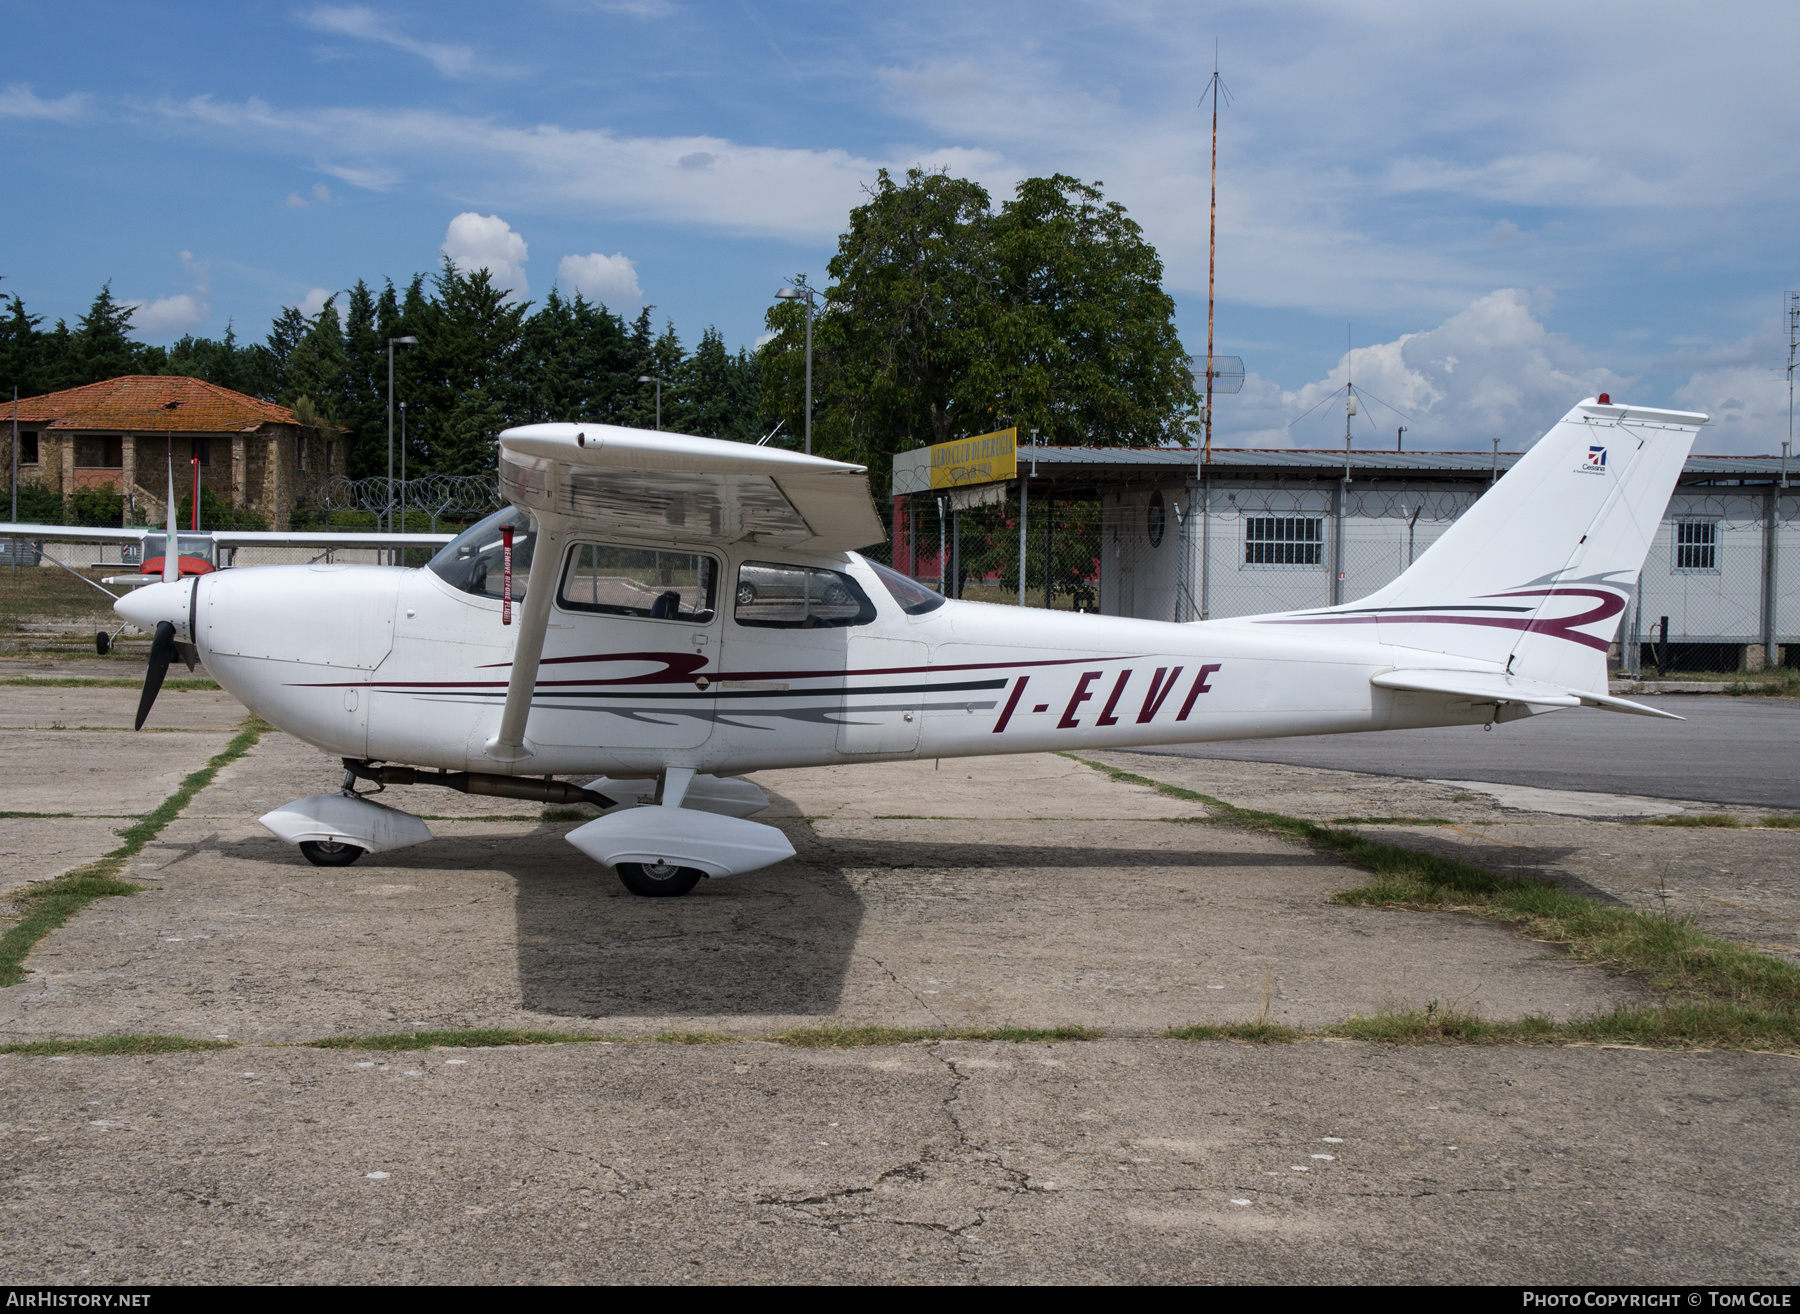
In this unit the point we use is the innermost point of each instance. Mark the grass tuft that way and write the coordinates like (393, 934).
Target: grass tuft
(567, 814)
(115, 1045)
(1718, 820)
(1691, 1025)
(1391, 821)
(696, 1038)
(47, 905)
(184, 685)
(1255, 1033)
(1782, 822)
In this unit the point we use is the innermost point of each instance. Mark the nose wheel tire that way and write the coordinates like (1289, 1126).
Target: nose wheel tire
(658, 880)
(330, 853)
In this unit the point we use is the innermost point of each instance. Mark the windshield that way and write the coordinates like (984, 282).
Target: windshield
(471, 561)
(914, 598)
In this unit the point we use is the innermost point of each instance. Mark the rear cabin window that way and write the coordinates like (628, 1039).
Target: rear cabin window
(914, 598)
(645, 582)
(779, 597)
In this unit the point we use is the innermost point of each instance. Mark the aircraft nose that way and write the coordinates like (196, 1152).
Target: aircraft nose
(150, 605)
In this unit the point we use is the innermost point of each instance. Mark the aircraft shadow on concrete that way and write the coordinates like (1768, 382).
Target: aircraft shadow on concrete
(774, 942)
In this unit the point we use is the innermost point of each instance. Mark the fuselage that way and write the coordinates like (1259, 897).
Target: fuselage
(398, 665)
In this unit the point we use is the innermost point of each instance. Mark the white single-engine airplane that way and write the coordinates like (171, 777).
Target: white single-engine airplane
(669, 612)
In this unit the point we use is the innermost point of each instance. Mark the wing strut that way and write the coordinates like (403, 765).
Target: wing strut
(534, 619)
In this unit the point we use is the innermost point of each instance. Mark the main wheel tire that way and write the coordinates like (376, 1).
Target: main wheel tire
(330, 853)
(660, 880)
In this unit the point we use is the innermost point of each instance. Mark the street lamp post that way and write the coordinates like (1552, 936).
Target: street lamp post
(403, 471)
(801, 292)
(408, 341)
(651, 378)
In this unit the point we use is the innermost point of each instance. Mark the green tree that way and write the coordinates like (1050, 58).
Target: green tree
(465, 364)
(21, 352)
(319, 367)
(286, 333)
(721, 394)
(227, 362)
(99, 347)
(946, 319)
(1087, 351)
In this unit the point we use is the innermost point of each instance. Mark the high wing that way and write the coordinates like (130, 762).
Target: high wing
(667, 487)
(683, 489)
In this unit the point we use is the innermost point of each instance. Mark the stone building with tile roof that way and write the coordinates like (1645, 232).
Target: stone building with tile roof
(119, 434)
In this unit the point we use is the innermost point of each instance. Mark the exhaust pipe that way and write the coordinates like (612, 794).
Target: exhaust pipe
(476, 782)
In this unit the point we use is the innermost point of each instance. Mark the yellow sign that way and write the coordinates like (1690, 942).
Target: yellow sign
(984, 459)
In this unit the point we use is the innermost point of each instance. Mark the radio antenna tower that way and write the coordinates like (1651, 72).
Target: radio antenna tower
(1793, 320)
(1215, 88)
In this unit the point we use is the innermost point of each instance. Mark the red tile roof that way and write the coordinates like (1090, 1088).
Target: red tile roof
(149, 403)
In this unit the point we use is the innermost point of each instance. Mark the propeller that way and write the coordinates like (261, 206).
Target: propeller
(162, 652)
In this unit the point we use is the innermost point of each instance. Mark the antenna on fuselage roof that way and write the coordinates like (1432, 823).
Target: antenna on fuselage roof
(771, 433)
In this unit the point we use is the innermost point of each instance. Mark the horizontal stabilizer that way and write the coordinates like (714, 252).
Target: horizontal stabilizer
(1487, 686)
(1477, 686)
(1607, 703)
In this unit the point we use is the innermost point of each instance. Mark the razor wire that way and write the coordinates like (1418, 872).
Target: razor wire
(458, 497)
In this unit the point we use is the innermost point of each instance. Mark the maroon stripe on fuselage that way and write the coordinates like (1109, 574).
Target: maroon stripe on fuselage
(672, 661)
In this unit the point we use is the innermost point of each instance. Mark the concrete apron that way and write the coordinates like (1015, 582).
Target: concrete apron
(1007, 891)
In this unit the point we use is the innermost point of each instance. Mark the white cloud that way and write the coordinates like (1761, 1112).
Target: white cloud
(1743, 387)
(320, 195)
(764, 190)
(18, 101)
(488, 242)
(610, 279)
(636, 8)
(168, 317)
(314, 302)
(453, 61)
(1490, 371)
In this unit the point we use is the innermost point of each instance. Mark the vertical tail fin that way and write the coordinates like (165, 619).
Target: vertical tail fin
(1535, 575)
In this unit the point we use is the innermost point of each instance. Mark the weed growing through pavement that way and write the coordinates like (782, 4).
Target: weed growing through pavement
(196, 684)
(114, 1045)
(1717, 992)
(48, 904)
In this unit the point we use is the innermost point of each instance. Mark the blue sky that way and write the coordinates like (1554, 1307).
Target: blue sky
(1505, 206)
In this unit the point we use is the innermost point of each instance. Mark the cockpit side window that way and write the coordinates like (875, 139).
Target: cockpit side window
(474, 560)
(653, 583)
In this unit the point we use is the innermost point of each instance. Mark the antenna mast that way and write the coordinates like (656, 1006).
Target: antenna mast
(1213, 89)
(1793, 319)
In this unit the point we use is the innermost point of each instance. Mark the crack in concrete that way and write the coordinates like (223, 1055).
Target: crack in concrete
(917, 997)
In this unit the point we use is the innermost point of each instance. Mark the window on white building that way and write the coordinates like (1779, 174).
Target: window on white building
(1697, 547)
(1284, 541)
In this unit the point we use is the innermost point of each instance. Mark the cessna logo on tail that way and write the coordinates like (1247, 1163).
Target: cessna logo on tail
(1595, 463)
